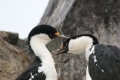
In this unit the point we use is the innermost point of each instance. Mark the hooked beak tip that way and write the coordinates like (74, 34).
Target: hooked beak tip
(59, 51)
(63, 36)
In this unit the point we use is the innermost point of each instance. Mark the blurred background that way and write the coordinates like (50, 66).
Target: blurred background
(21, 15)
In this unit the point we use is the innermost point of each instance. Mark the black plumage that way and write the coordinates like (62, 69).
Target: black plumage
(104, 63)
(31, 73)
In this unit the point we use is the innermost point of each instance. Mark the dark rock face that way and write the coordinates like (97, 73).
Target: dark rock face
(23, 45)
(13, 61)
(56, 12)
(72, 17)
(11, 38)
(100, 18)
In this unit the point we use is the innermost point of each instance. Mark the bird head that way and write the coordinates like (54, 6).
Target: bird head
(43, 34)
(77, 44)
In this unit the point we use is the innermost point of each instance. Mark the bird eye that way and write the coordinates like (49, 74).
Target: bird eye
(51, 36)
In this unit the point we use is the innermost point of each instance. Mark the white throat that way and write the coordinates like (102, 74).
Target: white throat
(87, 74)
(81, 45)
(37, 44)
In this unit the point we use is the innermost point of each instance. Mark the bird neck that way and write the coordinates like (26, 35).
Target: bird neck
(89, 51)
(91, 46)
(88, 48)
(83, 45)
(80, 45)
(43, 53)
(47, 62)
(39, 48)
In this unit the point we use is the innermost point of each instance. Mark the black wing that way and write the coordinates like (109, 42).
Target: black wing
(32, 72)
(104, 63)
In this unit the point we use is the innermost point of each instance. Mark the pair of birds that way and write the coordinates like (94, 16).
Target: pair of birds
(103, 60)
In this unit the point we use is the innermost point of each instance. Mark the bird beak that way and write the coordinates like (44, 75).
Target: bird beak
(57, 34)
(60, 51)
(63, 37)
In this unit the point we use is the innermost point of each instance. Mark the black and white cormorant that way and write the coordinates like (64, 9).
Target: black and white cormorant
(43, 67)
(103, 61)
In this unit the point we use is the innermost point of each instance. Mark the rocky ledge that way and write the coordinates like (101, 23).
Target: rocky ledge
(12, 59)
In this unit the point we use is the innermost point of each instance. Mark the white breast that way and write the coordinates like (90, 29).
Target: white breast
(87, 74)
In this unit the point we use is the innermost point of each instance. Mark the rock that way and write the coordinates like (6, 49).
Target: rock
(11, 38)
(72, 17)
(13, 61)
(23, 45)
(56, 12)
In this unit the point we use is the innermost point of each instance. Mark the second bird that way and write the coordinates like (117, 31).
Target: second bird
(103, 61)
